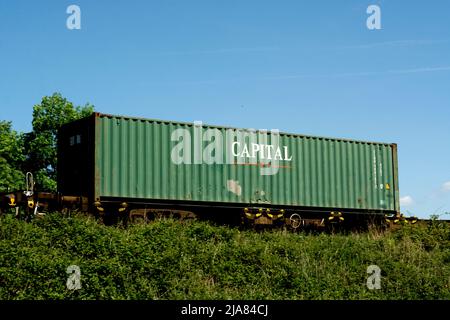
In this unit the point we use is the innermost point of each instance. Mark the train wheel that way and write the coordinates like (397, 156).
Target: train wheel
(295, 221)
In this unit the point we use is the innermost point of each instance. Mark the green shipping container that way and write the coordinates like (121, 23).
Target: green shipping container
(114, 158)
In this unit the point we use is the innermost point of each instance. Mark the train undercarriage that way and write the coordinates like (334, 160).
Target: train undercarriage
(28, 205)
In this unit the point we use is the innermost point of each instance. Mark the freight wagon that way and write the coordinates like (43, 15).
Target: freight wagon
(147, 166)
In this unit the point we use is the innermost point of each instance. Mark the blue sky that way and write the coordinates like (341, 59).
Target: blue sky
(310, 67)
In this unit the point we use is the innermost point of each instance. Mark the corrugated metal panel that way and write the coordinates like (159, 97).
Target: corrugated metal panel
(133, 160)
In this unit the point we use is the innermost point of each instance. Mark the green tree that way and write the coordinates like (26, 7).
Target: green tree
(11, 158)
(40, 144)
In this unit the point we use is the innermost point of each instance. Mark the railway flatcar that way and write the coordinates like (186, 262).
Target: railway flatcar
(124, 166)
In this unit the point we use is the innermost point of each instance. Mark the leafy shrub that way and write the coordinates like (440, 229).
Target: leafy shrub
(195, 260)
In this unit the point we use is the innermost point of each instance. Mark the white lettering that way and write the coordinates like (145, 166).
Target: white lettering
(74, 20)
(255, 149)
(239, 145)
(213, 152)
(235, 154)
(374, 280)
(286, 156)
(198, 143)
(181, 152)
(374, 21)
(245, 153)
(73, 281)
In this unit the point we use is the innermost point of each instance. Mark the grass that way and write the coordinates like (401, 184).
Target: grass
(196, 260)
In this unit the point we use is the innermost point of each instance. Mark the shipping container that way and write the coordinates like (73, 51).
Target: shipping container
(111, 158)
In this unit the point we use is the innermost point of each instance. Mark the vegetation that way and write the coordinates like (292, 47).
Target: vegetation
(36, 151)
(196, 260)
(11, 158)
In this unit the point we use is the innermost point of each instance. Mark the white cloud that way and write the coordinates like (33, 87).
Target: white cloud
(406, 201)
(446, 186)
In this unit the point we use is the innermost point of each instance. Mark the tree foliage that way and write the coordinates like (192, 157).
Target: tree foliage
(40, 144)
(11, 158)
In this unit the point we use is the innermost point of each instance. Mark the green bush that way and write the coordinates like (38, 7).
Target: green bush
(169, 259)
